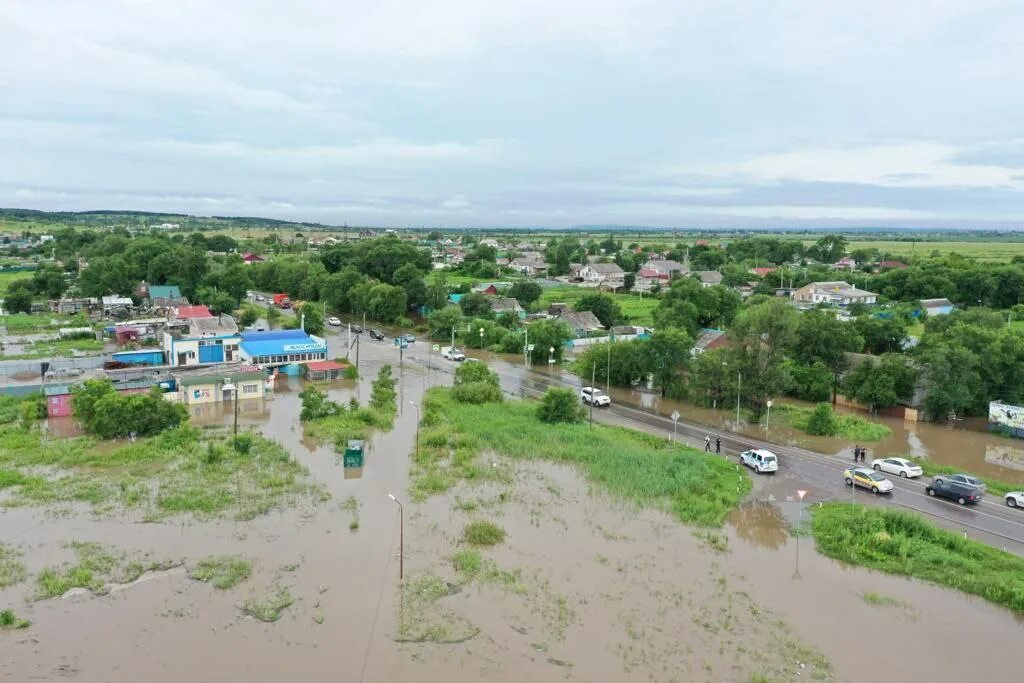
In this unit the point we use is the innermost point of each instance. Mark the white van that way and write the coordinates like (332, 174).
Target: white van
(760, 460)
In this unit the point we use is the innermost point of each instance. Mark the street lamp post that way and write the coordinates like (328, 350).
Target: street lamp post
(401, 536)
(768, 418)
(799, 530)
(551, 358)
(481, 339)
(593, 370)
(608, 368)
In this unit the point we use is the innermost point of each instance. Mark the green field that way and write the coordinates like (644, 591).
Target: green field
(7, 278)
(996, 252)
(637, 311)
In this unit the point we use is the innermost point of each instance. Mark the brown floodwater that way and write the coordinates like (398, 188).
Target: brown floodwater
(610, 592)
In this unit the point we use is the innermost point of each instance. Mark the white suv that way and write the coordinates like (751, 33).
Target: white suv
(452, 353)
(594, 396)
(760, 460)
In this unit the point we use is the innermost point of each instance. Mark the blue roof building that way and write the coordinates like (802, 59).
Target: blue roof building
(164, 292)
(281, 347)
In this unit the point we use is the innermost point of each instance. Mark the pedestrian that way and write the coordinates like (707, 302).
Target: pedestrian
(856, 454)
(718, 445)
(863, 454)
(707, 443)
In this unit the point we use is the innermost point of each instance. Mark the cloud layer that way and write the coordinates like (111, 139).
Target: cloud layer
(519, 113)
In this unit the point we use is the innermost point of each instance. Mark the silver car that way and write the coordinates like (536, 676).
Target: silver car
(961, 478)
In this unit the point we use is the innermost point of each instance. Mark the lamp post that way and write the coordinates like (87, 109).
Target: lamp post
(593, 370)
(481, 339)
(417, 429)
(401, 536)
(768, 418)
(721, 380)
(799, 530)
(608, 368)
(551, 358)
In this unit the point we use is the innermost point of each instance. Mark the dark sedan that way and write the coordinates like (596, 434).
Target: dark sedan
(376, 334)
(961, 493)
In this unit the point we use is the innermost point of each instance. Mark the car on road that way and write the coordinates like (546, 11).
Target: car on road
(867, 479)
(54, 373)
(954, 490)
(760, 460)
(260, 297)
(408, 338)
(898, 466)
(356, 329)
(452, 353)
(594, 396)
(961, 478)
(376, 334)
(1015, 499)
(334, 322)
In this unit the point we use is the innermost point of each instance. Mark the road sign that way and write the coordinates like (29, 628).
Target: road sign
(801, 494)
(768, 403)
(675, 416)
(401, 343)
(436, 347)
(551, 361)
(529, 347)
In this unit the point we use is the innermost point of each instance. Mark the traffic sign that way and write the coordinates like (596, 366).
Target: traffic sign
(436, 347)
(529, 347)
(675, 416)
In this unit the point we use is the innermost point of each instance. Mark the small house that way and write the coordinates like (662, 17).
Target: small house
(581, 323)
(708, 278)
(937, 306)
(323, 370)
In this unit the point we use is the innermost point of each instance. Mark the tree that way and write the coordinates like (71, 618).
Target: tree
(709, 378)
(410, 278)
(442, 321)
(545, 335)
(822, 421)
(828, 249)
(758, 338)
(952, 381)
(221, 302)
(881, 335)
(809, 382)
(475, 383)
(19, 297)
(525, 292)
(49, 281)
(820, 336)
(624, 360)
(248, 316)
(690, 306)
(881, 384)
(560, 405)
(382, 395)
(475, 304)
(311, 318)
(664, 356)
(108, 275)
(386, 303)
(604, 307)
(437, 293)
(108, 414)
(316, 405)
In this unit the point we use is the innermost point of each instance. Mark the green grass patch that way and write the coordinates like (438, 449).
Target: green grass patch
(351, 506)
(270, 607)
(483, 533)
(879, 600)
(222, 571)
(993, 486)
(898, 542)
(636, 310)
(423, 617)
(25, 323)
(12, 570)
(176, 472)
(633, 465)
(470, 565)
(97, 568)
(852, 427)
(10, 621)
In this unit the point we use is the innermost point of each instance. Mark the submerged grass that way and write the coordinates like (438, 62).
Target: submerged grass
(483, 533)
(222, 571)
(12, 571)
(97, 568)
(639, 467)
(176, 472)
(851, 427)
(10, 621)
(902, 543)
(269, 608)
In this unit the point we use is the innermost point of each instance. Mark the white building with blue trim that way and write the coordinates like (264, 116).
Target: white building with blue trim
(289, 349)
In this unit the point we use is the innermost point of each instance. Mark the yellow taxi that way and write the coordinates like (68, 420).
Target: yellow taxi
(868, 479)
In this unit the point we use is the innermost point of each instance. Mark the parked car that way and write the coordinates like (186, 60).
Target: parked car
(452, 353)
(594, 396)
(965, 479)
(899, 466)
(868, 479)
(954, 490)
(334, 322)
(760, 460)
(356, 329)
(1015, 499)
(376, 334)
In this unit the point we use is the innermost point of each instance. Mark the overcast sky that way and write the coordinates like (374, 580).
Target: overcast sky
(522, 113)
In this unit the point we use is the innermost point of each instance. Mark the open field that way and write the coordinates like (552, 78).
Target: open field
(638, 311)
(7, 278)
(983, 251)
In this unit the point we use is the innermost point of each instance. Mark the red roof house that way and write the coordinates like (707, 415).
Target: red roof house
(761, 272)
(191, 312)
(250, 257)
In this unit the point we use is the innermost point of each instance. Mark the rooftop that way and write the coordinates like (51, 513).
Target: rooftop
(187, 312)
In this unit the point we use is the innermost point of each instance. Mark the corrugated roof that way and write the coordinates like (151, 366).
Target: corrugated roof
(189, 312)
(164, 292)
(325, 365)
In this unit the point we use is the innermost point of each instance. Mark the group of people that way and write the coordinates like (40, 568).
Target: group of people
(859, 454)
(707, 444)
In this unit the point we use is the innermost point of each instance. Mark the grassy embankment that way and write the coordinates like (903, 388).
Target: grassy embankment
(851, 427)
(902, 543)
(639, 467)
(177, 472)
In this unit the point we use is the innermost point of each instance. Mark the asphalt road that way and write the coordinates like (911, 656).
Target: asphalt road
(820, 474)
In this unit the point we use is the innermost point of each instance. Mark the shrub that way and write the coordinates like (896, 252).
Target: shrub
(822, 421)
(383, 395)
(559, 405)
(469, 373)
(315, 404)
(243, 443)
(477, 392)
(483, 533)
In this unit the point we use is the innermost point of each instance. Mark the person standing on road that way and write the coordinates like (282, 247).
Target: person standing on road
(856, 454)
(863, 454)
(707, 443)
(718, 444)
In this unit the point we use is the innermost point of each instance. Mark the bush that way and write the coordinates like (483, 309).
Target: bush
(822, 421)
(383, 395)
(243, 443)
(110, 414)
(560, 405)
(316, 405)
(473, 372)
(483, 533)
(477, 392)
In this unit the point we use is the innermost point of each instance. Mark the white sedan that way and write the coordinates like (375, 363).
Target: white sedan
(1015, 499)
(334, 322)
(898, 466)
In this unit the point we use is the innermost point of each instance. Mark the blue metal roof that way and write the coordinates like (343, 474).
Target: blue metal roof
(279, 343)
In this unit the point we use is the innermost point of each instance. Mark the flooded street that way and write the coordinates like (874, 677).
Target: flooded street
(604, 591)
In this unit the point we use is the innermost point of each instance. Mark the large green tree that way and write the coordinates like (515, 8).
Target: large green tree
(18, 298)
(758, 339)
(604, 308)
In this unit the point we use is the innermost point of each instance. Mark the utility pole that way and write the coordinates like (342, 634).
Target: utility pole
(236, 414)
(593, 369)
(401, 536)
(608, 368)
(739, 384)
